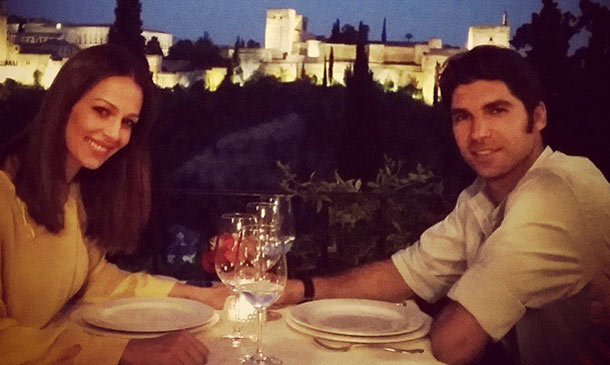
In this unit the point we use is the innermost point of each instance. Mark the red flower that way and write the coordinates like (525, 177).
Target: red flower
(224, 242)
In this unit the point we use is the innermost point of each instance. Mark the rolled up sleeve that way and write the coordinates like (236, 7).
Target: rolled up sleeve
(536, 257)
(433, 264)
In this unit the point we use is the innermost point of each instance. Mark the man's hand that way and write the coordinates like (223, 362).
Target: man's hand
(173, 348)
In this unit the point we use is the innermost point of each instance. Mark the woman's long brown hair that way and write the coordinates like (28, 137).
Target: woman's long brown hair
(116, 196)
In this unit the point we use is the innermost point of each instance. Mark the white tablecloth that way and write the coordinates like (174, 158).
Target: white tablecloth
(287, 344)
(292, 347)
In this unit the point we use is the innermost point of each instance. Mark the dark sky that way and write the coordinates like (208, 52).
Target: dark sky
(224, 20)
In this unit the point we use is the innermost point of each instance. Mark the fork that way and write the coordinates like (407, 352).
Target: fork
(343, 346)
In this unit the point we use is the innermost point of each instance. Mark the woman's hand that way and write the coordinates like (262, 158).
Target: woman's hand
(173, 348)
(214, 296)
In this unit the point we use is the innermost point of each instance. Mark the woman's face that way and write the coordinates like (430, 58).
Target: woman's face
(101, 122)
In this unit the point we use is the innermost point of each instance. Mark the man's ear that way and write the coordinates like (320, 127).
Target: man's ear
(539, 116)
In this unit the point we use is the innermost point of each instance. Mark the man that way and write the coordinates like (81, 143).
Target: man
(528, 243)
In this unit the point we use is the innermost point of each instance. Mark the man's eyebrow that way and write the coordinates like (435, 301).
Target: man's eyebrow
(459, 111)
(498, 103)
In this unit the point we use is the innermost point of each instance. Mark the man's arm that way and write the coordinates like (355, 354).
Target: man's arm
(456, 336)
(378, 280)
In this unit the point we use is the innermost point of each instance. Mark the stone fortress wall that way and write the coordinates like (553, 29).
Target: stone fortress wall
(290, 50)
(34, 52)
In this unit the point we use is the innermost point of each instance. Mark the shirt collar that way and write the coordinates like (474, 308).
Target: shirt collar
(483, 207)
(546, 153)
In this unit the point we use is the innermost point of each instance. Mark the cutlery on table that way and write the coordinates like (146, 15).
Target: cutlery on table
(344, 346)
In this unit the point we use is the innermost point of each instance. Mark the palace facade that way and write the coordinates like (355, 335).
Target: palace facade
(290, 52)
(32, 53)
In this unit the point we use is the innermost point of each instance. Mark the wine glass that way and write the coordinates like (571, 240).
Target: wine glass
(275, 210)
(264, 211)
(284, 217)
(262, 277)
(225, 263)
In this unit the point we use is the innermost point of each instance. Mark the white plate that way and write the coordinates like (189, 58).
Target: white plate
(121, 334)
(419, 333)
(357, 317)
(148, 314)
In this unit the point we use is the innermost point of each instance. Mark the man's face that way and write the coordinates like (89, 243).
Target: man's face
(490, 127)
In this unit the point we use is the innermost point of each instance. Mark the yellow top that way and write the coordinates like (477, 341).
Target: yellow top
(44, 274)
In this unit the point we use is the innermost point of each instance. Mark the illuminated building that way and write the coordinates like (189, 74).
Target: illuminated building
(33, 52)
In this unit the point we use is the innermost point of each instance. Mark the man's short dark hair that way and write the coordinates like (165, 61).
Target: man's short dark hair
(494, 64)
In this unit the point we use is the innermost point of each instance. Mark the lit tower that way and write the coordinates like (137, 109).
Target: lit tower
(283, 27)
(497, 35)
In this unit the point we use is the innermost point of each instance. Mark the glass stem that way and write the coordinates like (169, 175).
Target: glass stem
(236, 330)
(259, 332)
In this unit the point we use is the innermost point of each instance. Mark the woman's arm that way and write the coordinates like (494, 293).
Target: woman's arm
(214, 296)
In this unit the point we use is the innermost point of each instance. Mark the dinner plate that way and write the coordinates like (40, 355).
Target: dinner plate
(123, 334)
(357, 317)
(148, 314)
(418, 333)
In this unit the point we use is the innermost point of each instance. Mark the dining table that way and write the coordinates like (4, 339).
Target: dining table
(292, 346)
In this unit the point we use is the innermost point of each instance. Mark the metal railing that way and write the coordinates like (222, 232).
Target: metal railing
(325, 242)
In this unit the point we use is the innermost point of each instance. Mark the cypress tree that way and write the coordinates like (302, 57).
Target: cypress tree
(324, 78)
(236, 47)
(335, 34)
(361, 64)
(437, 73)
(331, 65)
(236, 71)
(361, 153)
(127, 28)
(383, 33)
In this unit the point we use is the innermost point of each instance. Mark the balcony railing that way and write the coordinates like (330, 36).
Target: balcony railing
(353, 228)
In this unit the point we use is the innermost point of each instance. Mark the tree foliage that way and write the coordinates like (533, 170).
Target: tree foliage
(331, 65)
(336, 31)
(347, 34)
(577, 86)
(361, 113)
(252, 44)
(181, 50)
(547, 37)
(202, 54)
(127, 28)
(153, 47)
(205, 53)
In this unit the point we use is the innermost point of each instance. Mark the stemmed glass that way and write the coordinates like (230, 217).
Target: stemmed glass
(262, 277)
(284, 217)
(265, 212)
(225, 260)
(275, 210)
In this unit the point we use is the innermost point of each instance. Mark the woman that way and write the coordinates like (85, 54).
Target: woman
(74, 186)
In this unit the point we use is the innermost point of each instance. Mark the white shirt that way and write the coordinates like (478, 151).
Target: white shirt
(541, 245)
